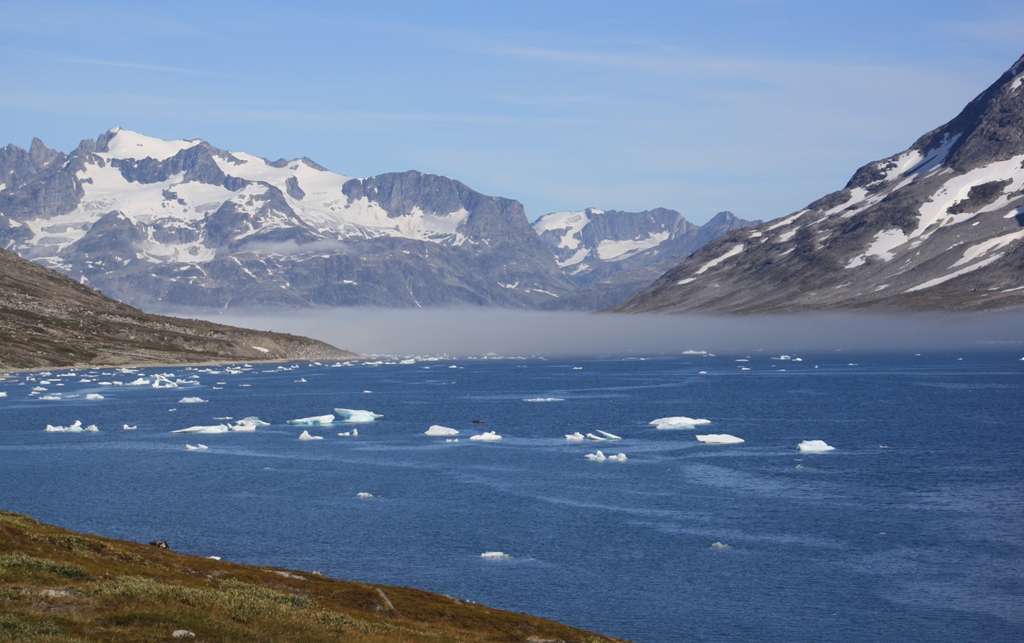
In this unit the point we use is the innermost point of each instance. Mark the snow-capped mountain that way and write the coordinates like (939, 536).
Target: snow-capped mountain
(939, 226)
(612, 255)
(181, 222)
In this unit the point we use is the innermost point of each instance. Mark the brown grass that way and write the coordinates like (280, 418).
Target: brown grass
(59, 586)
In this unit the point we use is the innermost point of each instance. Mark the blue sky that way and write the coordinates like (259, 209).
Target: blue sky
(758, 107)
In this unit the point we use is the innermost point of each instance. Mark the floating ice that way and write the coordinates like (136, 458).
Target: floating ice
(719, 438)
(621, 457)
(489, 436)
(306, 436)
(3, 393)
(315, 420)
(363, 494)
(495, 555)
(160, 381)
(356, 416)
(600, 457)
(438, 430)
(71, 428)
(213, 428)
(544, 399)
(814, 446)
(130, 428)
(52, 397)
(678, 422)
(347, 434)
(198, 447)
(192, 400)
(301, 380)
(255, 421)
(94, 396)
(243, 426)
(451, 439)
(718, 545)
(139, 382)
(574, 437)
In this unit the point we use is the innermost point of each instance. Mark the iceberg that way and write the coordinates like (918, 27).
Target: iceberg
(3, 393)
(213, 428)
(364, 494)
(130, 428)
(621, 457)
(306, 436)
(599, 457)
(139, 382)
(71, 428)
(719, 438)
(192, 400)
(678, 422)
(94, 396)
(495, 555)
(315, 420)
(814, 446)
(355, 416)
(438, 430)
(242, 425)
(489, 436)
(574, 437)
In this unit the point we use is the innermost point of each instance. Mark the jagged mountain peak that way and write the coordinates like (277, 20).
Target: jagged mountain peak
(937, 226)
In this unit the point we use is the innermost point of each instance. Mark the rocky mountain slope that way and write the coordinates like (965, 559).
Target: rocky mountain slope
(183, 223)
(939, 226)
(611, 255)
(61, 585)
(48, 320)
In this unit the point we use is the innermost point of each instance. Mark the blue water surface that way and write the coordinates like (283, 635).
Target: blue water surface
(911, 530)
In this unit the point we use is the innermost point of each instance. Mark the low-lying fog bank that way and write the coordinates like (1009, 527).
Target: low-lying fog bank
(479, 331)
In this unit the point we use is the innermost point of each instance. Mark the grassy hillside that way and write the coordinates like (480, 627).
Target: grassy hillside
(57, 585)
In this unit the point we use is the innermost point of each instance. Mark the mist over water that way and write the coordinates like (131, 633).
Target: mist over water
(479, 331)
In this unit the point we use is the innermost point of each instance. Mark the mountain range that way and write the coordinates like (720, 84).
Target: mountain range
(182, 223)
(939, 226)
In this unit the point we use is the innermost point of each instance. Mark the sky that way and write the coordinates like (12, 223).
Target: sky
(754, 106)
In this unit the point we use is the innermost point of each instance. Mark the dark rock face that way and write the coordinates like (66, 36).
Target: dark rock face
(937, 227)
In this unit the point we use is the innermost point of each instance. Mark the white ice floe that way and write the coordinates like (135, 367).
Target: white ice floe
(451, 439)
(243, 426)
(139, 382)
(814, 446)
(356, 416)
(719, 438)
(621, 457)
(350, 434)
(544, 399)
(71, 428)
(159, 381)
(52, 397)
(488, 436)
(3, 393)
(678, 422)
(438, 430)
(192, 400)
(93, 396)
(306, 436)
(364, 494)
(718, 545)
(197, 447)
(604, 436)
(130, 428)
(315, 420)
(212, 428)
(255, 421)
(574, 437)
(495, 555)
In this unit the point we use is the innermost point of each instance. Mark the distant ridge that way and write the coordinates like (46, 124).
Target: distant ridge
(939, 226)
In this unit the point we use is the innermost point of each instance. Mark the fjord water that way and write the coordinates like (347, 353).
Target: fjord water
(911, 530)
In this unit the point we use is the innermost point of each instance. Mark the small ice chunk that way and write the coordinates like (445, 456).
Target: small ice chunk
(718, 545)
(71, 428)
(496, 555)
(621, 457)
(3, 393)
(315, 420)
(719, 438)
(192, 400)
(603, 437)
(306, 436)
(574, 437)
(51, 398)
(438, 430)
(678, 422)
(599, 457)
(488, 436)
(130, 428)
(353, 433)
(814, 446)
(356, 416)
(364, 494)
(93, 396)
(543, 399)
(139, 382)
(243, 425)
(211, 428)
